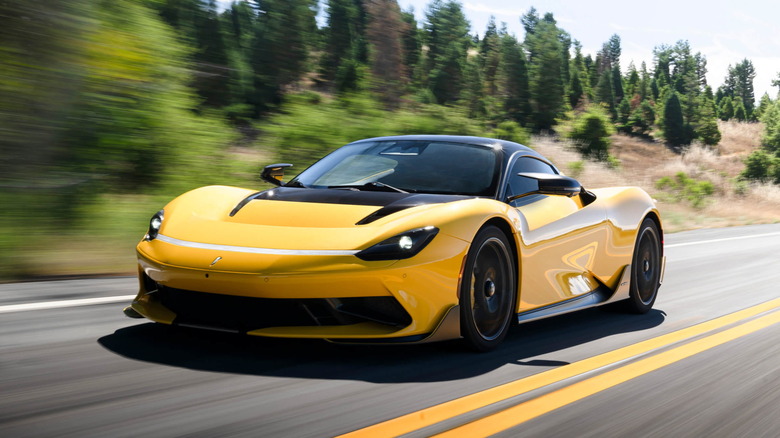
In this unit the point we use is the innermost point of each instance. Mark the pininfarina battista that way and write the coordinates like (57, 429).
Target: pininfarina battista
(402, 239)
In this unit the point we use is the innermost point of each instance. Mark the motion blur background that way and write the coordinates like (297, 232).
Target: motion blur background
(109, 108)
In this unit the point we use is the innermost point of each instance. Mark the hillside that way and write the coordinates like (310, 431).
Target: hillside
(643, 163)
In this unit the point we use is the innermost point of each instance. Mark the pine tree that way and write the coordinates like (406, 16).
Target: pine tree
(674, 125)
(280, 50)
(447, 37)
(726, 109)
(762, 106)
(771, 119)
(739, 110)
(623, 116)
(575, 89)
(739, 83)
(211, 60)
(545, 75)
(605, 93)
(411, 42)
(473, 93)
(643, 118)
(707, 129)
(631, 80)
(490, 57)
(517, 98)
(345, 42)
(617, 83)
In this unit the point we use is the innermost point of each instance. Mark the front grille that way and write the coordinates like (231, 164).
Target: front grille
(245, 314)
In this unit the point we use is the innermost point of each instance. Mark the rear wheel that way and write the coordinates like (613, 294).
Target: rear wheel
(645, 268)
(487, 292)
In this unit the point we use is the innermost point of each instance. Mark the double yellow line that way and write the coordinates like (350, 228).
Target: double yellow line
(533, 408)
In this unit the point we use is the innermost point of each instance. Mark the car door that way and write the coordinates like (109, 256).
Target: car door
(561, 240)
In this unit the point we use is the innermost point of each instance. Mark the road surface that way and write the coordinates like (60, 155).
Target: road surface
(71, 364)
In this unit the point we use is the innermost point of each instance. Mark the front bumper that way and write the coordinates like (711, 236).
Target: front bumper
(403, 301)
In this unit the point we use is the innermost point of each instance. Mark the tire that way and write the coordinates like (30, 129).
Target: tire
(487, 291)
(645, 269)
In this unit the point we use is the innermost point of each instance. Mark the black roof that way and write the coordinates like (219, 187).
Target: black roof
(508, 147)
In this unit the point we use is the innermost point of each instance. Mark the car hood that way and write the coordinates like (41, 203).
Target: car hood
(291, 218)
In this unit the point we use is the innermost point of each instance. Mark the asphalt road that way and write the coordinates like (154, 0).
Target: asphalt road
(89, 371)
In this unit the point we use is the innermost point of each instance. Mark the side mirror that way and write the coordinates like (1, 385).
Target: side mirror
(273, 173)
(551, 184)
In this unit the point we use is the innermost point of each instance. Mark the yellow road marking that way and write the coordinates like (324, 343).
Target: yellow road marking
(531, 409)
(444, 411)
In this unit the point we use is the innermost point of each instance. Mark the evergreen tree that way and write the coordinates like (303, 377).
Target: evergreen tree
(545, 75)
(280, 50)
(643, 118)
(645, 89)
(726, 109)
(411, 42)
(592, 130)
(762, 106)
(674, 127)
(758, 166)
(771, 119)
(530, 21)
(739, 83)
(739, 110)
(631, 80)
(575, 89)
(344, 37)
(624, 116)
(447, 37)
(238, 29)
(490, 57)
(617, 83)
(605, 93)
(707, 129)
(517, 98)
(473, 93)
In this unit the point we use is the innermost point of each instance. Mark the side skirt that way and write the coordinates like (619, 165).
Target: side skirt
(600, 295)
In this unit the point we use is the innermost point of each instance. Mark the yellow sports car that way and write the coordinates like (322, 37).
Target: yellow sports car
(400, 240)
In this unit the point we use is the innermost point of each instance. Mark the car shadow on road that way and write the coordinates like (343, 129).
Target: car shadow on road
(536, 344)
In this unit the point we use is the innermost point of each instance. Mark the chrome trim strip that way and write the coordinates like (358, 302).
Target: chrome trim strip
(251, 250)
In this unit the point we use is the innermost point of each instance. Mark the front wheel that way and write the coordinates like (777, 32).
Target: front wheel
(645, 268)
(487, 291)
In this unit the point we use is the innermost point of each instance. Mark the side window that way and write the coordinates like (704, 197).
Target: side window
(517, 185)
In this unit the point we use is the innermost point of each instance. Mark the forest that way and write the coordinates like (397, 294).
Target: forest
(110, 107)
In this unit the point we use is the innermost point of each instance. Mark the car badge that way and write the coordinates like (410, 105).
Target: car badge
(215, 261)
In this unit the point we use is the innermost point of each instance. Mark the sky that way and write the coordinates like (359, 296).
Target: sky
(725, 32)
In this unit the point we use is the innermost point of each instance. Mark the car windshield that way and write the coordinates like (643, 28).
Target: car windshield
(407, 165)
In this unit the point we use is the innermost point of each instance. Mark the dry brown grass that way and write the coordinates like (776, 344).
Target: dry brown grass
(643, 163)
(739, 138)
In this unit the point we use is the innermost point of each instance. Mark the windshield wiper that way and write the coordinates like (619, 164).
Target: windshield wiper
(373, 185)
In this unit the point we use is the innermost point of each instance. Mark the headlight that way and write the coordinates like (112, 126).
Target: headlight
(399, 247)
(154, 225)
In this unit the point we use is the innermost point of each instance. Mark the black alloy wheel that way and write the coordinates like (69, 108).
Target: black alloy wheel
(487, 295)
(645, 268)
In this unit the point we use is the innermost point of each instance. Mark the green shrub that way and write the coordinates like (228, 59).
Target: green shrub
(512, 131)
(684, 188)
(306, 130)
(759, 166)
(576, 168)
(591, 131)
